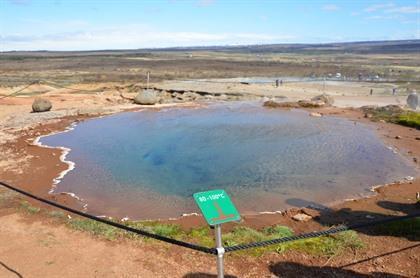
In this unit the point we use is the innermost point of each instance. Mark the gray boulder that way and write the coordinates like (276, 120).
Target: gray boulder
(41, 105)
(311, 103)
(413, 100)
(146, 97)
(327, 99)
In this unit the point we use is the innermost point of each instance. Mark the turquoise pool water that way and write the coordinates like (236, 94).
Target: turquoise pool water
(147, 164)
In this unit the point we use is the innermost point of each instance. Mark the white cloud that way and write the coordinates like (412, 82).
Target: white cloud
(130, 37)
(404, 10)
(392, 8)
(374, 8)
(391, 11)
(383, 17)
(330, 7)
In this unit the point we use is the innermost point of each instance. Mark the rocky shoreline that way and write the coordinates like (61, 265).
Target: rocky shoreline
(30, 135)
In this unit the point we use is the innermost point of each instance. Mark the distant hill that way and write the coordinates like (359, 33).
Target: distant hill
(401, 46)
(364, 47)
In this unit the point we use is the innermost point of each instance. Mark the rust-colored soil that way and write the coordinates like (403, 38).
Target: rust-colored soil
(35, 246)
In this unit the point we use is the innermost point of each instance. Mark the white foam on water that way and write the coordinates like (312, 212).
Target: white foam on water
(63, 158)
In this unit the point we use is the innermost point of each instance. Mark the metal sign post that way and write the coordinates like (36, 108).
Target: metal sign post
(148, 78)
(220, 251)
(217, 208)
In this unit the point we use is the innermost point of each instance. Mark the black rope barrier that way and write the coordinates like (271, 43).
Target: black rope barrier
(50, 83)
(20, 90)
(115, 224)
(214, 251)
(69, 88)
(334, 230)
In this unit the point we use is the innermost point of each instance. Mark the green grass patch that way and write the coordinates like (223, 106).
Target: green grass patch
(95, 228)
(57, 214)
(324, 246)
(202, 236)
(394, 114)
(167, 230)
(28, 208)
(242, 235)
(409, 118)
(330, 245)
(278, 231)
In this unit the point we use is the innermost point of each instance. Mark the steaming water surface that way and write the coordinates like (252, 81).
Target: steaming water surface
(148, 164)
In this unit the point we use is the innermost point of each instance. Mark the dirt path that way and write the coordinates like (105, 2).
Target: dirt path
(32, 247)
(35, 249)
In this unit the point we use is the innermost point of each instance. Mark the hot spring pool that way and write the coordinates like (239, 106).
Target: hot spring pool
(147, 164)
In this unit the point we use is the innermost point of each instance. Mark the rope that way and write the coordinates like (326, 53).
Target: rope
(69, 88)
(20, 90)
(122, 96)
(115, 224)
(214, 251)
(51, 83)
(318, 233)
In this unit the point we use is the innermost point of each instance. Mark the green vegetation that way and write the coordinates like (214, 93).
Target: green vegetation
(243, 235)
(28, 208)
(95, 228)
(323, 246)
(411, 119)
(57, 214)
(393, 114)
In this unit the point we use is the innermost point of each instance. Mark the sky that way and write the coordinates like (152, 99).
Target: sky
(132, 24)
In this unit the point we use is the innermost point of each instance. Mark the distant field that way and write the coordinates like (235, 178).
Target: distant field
(398, 60)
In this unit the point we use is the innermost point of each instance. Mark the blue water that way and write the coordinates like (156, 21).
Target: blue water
(148, 164)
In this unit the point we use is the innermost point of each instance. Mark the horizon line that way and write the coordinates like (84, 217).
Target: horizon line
(215, 46)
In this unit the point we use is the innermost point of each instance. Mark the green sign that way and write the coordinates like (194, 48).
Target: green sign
(216, 207)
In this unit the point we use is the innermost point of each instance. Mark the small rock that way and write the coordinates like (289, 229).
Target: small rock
(324, 98)
(312, 212)
(301, 217)
(370, 216)
(273, 104)
(41, 105)
(413, 100)
(311, 104)
(398, 137)
(146, 97)
(417, 138)
(315, 114)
